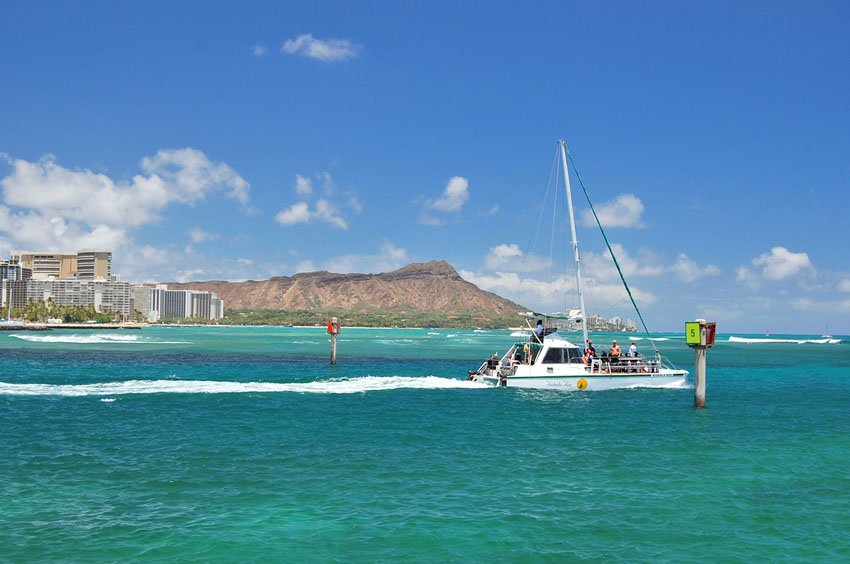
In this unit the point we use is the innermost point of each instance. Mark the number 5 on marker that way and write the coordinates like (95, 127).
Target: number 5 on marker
(692, 333)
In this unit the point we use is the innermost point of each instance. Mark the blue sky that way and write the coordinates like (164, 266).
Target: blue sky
(202, 140)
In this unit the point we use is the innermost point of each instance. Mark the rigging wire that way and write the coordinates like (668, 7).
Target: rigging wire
(537, 227)
(613, 256)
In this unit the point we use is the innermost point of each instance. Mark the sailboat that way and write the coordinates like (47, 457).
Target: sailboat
(548, 360)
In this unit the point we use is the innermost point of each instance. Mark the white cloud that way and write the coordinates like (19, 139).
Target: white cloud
(354, 204)
(454, 195)
(844, 285)
(294, 214)
(303, 186)
(688, 271)
(305, 266)
(190, 274)
(328, 184)
(144, 263)
(167, 264)
(509, 257)
(326, 50)
(726, 313)
(782, 263)
(501, 255)
(509, 272)
(190, 174)
(553, 295)
(259, 51)
(52, 191)
(494, 210)
(35, 231)
(625, 211)
(601, 266)
(502, 283)
(821, 307)
(747, 277)
(389, 257)
(430, 220)
(328, 212)
(199, 235)
(50, 207)
(325, 209)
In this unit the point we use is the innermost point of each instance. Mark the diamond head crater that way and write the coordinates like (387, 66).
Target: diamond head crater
(428, 294)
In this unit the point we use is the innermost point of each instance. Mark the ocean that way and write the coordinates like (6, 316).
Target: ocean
(245, 444)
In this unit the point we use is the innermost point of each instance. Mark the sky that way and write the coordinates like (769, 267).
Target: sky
(234, 141)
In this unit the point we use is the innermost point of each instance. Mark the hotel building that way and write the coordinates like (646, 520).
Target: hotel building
(13, 284)
(112, 296)
(158, 302)
(84, 265)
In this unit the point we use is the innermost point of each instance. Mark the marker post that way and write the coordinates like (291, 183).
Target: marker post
(333, 330)
(699, 335)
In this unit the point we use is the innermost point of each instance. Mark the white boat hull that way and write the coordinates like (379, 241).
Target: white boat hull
(674, 379)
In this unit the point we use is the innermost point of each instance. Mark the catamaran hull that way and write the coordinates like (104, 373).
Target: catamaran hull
(596, 382)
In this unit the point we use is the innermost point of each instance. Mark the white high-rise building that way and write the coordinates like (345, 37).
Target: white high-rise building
(159, 302)
(103, 295)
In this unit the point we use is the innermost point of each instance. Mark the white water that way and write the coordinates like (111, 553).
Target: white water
(100, 338)
(825, 341)
(350, 386)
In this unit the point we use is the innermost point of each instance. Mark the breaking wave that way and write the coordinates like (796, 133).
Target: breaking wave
(344, 386)
(101, 338)
(823, 341)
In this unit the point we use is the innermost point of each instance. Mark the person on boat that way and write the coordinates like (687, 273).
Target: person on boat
(633, 352)
(526, 353)
(538, 331)
(589, 353)
(493, 361)
(614, 354)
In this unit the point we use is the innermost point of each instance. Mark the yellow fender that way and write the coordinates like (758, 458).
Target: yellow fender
(581, 384)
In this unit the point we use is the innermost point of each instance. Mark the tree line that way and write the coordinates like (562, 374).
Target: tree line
(41, 311)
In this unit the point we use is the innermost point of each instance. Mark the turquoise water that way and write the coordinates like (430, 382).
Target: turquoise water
(245, 444)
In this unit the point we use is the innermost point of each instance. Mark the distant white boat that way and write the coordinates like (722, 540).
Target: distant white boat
(553, 362)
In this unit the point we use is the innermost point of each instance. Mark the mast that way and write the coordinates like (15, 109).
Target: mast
(563, 146)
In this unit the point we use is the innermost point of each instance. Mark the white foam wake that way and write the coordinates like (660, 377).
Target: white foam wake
(97, 339)
(824, 341)
(675, 385)
(347, 386)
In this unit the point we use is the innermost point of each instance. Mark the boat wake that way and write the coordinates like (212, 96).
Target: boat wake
(102, 338)
(342, 386)
(824, 341)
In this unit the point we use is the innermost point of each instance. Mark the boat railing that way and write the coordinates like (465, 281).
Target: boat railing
(624, 365)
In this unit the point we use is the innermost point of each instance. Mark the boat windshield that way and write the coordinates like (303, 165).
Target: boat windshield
(561, 355)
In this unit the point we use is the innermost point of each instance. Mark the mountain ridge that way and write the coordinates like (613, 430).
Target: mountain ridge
(425, 287)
